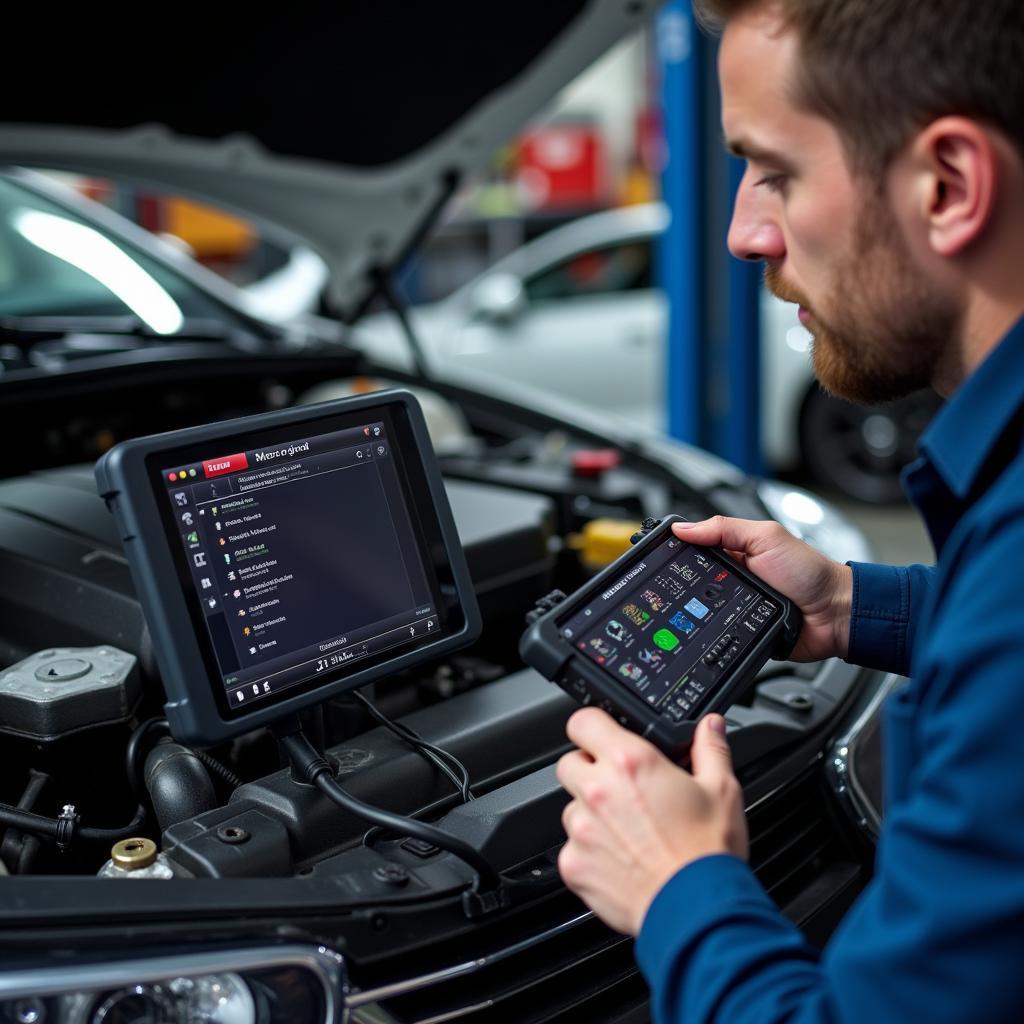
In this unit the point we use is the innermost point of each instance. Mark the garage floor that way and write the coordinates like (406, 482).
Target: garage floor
(895, 530)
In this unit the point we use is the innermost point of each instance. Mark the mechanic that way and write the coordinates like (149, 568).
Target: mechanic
(884, 192)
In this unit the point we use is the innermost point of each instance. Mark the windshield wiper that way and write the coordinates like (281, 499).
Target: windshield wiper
(30, 329)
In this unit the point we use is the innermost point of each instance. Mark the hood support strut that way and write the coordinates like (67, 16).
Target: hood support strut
(383, 277)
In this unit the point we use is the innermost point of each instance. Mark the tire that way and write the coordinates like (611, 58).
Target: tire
(861, 450)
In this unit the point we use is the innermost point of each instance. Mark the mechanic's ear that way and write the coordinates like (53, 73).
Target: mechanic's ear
(956, 170)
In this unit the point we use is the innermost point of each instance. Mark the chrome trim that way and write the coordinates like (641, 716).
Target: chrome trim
(376, 1014)
(358, 998)
(463, 1011)
(841, 759)
(326, 966)
(400, 988)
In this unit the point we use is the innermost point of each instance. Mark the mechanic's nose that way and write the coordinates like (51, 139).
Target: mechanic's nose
(753, 234)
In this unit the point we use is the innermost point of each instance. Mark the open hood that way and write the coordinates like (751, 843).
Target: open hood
(347, 125)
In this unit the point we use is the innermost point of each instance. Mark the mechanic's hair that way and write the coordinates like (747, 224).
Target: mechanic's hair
(880, 70)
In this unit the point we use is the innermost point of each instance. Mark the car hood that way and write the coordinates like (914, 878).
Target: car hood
(348, 126)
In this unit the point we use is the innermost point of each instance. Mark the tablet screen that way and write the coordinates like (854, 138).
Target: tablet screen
(305, 552)
(671, 627)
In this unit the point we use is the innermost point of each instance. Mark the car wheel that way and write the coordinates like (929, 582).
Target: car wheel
(860, 450)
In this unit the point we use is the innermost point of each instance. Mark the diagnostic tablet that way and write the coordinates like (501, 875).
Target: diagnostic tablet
(284, 558)
(665, 634)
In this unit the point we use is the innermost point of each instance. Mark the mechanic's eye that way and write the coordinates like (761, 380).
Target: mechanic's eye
(773, 182)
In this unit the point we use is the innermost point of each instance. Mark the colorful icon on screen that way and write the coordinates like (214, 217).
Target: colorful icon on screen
(632, 672)
(696, 608)
(649, 657)
(666, 640)
(616, 630)
(636, 614)
(682, 623)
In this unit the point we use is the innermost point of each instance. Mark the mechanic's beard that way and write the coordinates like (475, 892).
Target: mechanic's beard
(887, 325)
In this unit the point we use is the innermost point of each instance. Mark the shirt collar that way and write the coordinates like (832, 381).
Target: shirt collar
(967, 429)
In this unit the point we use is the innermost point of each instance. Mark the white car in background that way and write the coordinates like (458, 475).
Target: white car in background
(577, 312)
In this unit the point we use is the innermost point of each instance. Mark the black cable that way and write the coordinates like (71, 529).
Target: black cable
(314, 769)
(446, 803)
(437, 755)
(53, 827)
(217, 768)
(131, 756)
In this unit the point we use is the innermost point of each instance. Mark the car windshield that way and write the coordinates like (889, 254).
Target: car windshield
(56, 263)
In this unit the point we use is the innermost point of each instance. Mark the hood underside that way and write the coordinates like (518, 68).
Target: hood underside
(347, 125)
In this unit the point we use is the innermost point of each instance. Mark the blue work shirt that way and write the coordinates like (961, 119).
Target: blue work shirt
(938, 935)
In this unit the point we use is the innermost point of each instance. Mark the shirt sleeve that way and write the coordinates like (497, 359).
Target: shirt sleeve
(938, 935)
(888, 603)
(714, 947)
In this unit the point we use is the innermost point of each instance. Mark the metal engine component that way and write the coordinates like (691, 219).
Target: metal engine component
(136, 858)
(62, 690)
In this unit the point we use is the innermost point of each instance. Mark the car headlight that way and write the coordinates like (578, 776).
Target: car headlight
(816, 521)
(275, 985)
(855, 765)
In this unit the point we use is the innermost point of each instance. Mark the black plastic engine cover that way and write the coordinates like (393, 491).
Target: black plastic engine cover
(502, 732)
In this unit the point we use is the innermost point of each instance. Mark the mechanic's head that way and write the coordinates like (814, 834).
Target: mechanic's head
(885, 182)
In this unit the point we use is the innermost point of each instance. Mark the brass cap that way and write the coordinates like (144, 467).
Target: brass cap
(132, 854)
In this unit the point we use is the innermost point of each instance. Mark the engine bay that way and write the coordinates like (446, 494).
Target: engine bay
(81, 698)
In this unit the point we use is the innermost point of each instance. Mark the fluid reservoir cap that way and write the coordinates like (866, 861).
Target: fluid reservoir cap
(64, 670)
(61, 690)
(131, 854)
(601, 541)
(594, 463)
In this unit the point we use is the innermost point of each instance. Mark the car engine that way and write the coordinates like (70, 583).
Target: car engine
(538, 506)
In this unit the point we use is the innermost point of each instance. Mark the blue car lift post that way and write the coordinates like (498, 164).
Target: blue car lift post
(713, 366)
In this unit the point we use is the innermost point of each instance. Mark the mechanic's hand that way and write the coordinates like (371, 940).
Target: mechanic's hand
(820, 588)
(636, 818)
